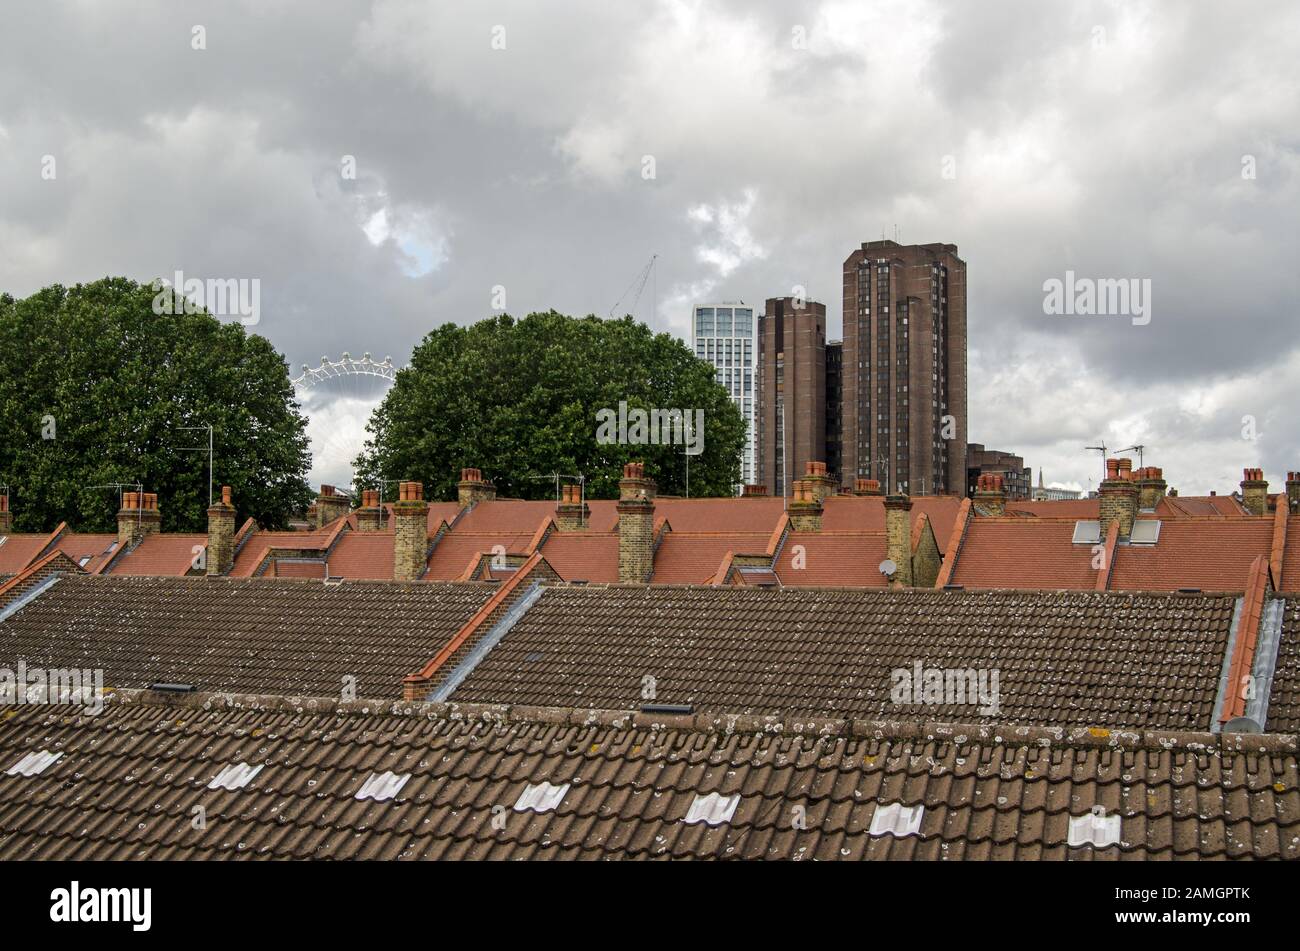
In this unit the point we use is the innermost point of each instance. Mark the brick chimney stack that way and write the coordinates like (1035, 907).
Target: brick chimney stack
(863, 486)
(573, 512)
(1254, 492)
(898, 538)
(1151, 487)
(138, 517)
(1118, 497)
(636, 530)
(991, 494)
(221, 535)
(370, 516)
(754, 492)
(6, 516)
(410, 532)
(329, 505)
(1293, 491)
(805, 508)
(473, 488)
(822, 484)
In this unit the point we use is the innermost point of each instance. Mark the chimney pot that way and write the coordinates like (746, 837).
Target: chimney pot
(636, 513)
(221, 535)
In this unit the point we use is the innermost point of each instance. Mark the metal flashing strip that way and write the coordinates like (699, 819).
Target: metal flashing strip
(1266, 650)
(28, 596)
(484, 646)
(1221, 697)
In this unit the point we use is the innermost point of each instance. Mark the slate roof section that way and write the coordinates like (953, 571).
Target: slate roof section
(128, 780)
(280, 636)
(1063, 658)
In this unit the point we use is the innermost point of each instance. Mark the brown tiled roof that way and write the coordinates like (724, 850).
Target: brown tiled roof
(126, 784)
(258, 635)
(1284, 697)
(1063, 658)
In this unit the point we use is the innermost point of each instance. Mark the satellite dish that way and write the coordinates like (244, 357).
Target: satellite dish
(887, 567)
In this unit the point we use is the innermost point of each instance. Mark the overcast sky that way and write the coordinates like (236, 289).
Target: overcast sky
(1156, 141)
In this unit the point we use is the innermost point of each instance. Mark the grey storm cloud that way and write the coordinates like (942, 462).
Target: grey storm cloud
(1106, 139)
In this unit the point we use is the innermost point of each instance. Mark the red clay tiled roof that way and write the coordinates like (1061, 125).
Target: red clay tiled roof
(841, 558)
(694, 559)
(160, 555)
(250, 557)
(583, 556)
(366, 556)
(1199, 505)
(18, 551)
(1291, 561)
(91, 546)
(285, 568)
(1057, 508)
(730, 516)
(1213, 554)
(1029, 553)
(458, 548)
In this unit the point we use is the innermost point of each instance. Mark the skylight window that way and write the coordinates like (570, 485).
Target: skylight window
(1096, 829)
(713, 809)
(383, 786)
(541, 798)
(1145, 531)
(33, 763)
(897, 819)
(1087, 532)
(235, 776)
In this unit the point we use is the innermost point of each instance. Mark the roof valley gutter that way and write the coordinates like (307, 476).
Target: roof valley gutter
(1266, 651)
(28, 596)
(484, 646)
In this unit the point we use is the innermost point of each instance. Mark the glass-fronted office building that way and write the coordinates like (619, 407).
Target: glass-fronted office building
(724, 335)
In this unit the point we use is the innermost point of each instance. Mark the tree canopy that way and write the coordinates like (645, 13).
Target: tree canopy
(520, 399)
(96, 388)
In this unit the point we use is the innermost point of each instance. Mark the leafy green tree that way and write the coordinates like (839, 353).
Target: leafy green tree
(519, 400)
(95, 388)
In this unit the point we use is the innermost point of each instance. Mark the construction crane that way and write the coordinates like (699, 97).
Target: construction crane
(639, 283)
